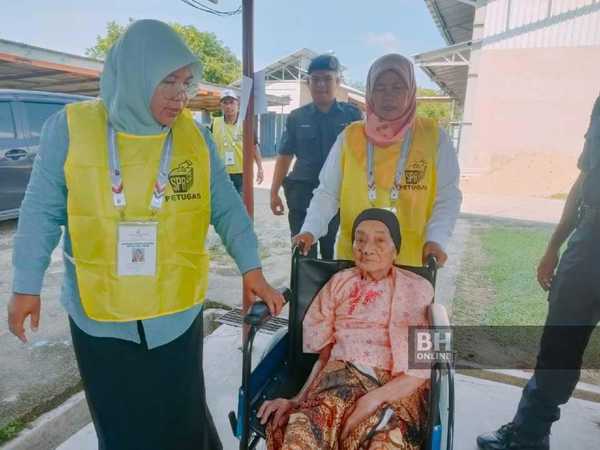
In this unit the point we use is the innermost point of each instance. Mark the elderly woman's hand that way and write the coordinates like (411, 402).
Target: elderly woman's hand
(280, 407)
(304, 241)
(363, 408)
(434, 249)
(256, 285)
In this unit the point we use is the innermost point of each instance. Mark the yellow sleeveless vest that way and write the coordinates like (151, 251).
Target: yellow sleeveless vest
(417, 193)
(182, 261)
(229, 137)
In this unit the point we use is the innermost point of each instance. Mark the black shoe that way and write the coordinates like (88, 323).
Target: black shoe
(507, 438)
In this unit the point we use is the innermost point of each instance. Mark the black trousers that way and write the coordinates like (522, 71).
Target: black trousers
(298, 195)
(144, 399)
(574, 310)
(236, 179)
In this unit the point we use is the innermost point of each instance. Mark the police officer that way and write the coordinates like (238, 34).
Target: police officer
(227, 133)
(310, 132)
(574, 308)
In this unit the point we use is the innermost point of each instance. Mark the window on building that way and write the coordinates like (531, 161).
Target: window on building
(38, 113)
(7, 122)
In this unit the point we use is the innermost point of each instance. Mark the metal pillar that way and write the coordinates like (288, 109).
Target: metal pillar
(248, 142)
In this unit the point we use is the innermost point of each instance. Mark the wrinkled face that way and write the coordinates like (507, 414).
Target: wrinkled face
(171, 96)
(322, 85)
(373, 249)
(230, 107)
(390, 96)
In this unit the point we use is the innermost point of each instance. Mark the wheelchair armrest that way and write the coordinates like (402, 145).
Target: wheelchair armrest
(259, 312)
(438, 316)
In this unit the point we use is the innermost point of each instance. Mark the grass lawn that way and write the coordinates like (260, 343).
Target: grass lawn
(512, 255)
(499, 308)
(497, 283)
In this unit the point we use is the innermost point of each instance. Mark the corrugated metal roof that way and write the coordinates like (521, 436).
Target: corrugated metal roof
(448, 67)
(30, 68)
(298, 62)
(453, 18)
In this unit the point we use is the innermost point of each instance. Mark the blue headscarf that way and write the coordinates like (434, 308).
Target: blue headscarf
(142, 57)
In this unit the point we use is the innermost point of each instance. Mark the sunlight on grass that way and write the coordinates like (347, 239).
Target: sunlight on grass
(512, 257)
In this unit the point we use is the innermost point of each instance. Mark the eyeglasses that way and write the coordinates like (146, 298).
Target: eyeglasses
(175, 90)
(327, 79)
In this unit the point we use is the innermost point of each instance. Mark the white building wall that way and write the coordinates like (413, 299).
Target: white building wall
(291, 88)
(512, 24)
(298, 92)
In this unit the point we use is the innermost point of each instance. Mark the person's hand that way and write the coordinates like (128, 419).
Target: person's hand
(256, 285)
(434, 249)
(545, 269)
(260, 175)
(363, 408)
(304, 241)
(277, 205)
(19, 307)
(280, 408)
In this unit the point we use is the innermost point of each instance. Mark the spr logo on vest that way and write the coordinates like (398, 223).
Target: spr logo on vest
(414, 175)
(181, 179)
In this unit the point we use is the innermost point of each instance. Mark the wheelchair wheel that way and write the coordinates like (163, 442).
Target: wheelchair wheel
(275, 338)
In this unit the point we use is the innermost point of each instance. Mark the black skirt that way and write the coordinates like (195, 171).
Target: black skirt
(144, 399)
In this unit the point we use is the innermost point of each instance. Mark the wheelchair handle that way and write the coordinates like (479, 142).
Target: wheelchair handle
(432, 267)
(259, 312)
(432, 263)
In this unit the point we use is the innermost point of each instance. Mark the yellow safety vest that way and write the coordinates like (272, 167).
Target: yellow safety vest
(182, 261)
(417, 192)
(228, 138)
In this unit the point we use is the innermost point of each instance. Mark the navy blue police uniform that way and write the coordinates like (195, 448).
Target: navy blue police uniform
(309, 135)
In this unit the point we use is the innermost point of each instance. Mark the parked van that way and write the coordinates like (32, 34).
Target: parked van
(22, 115)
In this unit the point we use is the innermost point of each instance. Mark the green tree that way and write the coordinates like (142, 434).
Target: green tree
(104, 43)
(439, 111)
(219, 64)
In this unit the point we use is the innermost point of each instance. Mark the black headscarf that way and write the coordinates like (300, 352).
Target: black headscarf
(384, 216)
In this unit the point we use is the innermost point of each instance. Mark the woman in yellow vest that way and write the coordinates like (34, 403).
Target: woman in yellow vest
(227, 132)
(392, 160)
(136, 183)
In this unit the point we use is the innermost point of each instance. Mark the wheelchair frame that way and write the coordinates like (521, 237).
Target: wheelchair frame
(276, 366)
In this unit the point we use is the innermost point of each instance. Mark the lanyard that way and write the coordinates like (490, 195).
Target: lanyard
(395, 191)
(116, 179)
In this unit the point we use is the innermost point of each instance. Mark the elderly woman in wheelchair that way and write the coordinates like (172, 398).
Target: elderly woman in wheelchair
(361, 392)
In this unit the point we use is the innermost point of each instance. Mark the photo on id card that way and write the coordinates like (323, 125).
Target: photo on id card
(136, 251)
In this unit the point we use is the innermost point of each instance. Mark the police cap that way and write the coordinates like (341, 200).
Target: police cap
(324, 62)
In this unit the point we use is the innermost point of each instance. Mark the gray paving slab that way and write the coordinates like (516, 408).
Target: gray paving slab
(483, 405)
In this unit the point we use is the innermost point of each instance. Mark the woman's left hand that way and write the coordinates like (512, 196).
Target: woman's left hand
(363, 408)
(256, 285)
(434, 249)
(260, 175)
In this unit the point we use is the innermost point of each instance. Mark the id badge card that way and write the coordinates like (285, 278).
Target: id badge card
(136, 249)
(229, 158)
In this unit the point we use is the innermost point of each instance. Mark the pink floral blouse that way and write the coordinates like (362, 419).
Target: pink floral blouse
(367, 321)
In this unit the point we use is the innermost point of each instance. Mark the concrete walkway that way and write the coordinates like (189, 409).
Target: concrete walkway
(481, 405)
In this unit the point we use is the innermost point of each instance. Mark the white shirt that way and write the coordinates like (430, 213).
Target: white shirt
(448, 198)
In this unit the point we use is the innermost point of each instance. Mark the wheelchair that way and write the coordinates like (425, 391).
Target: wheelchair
(285, 368)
